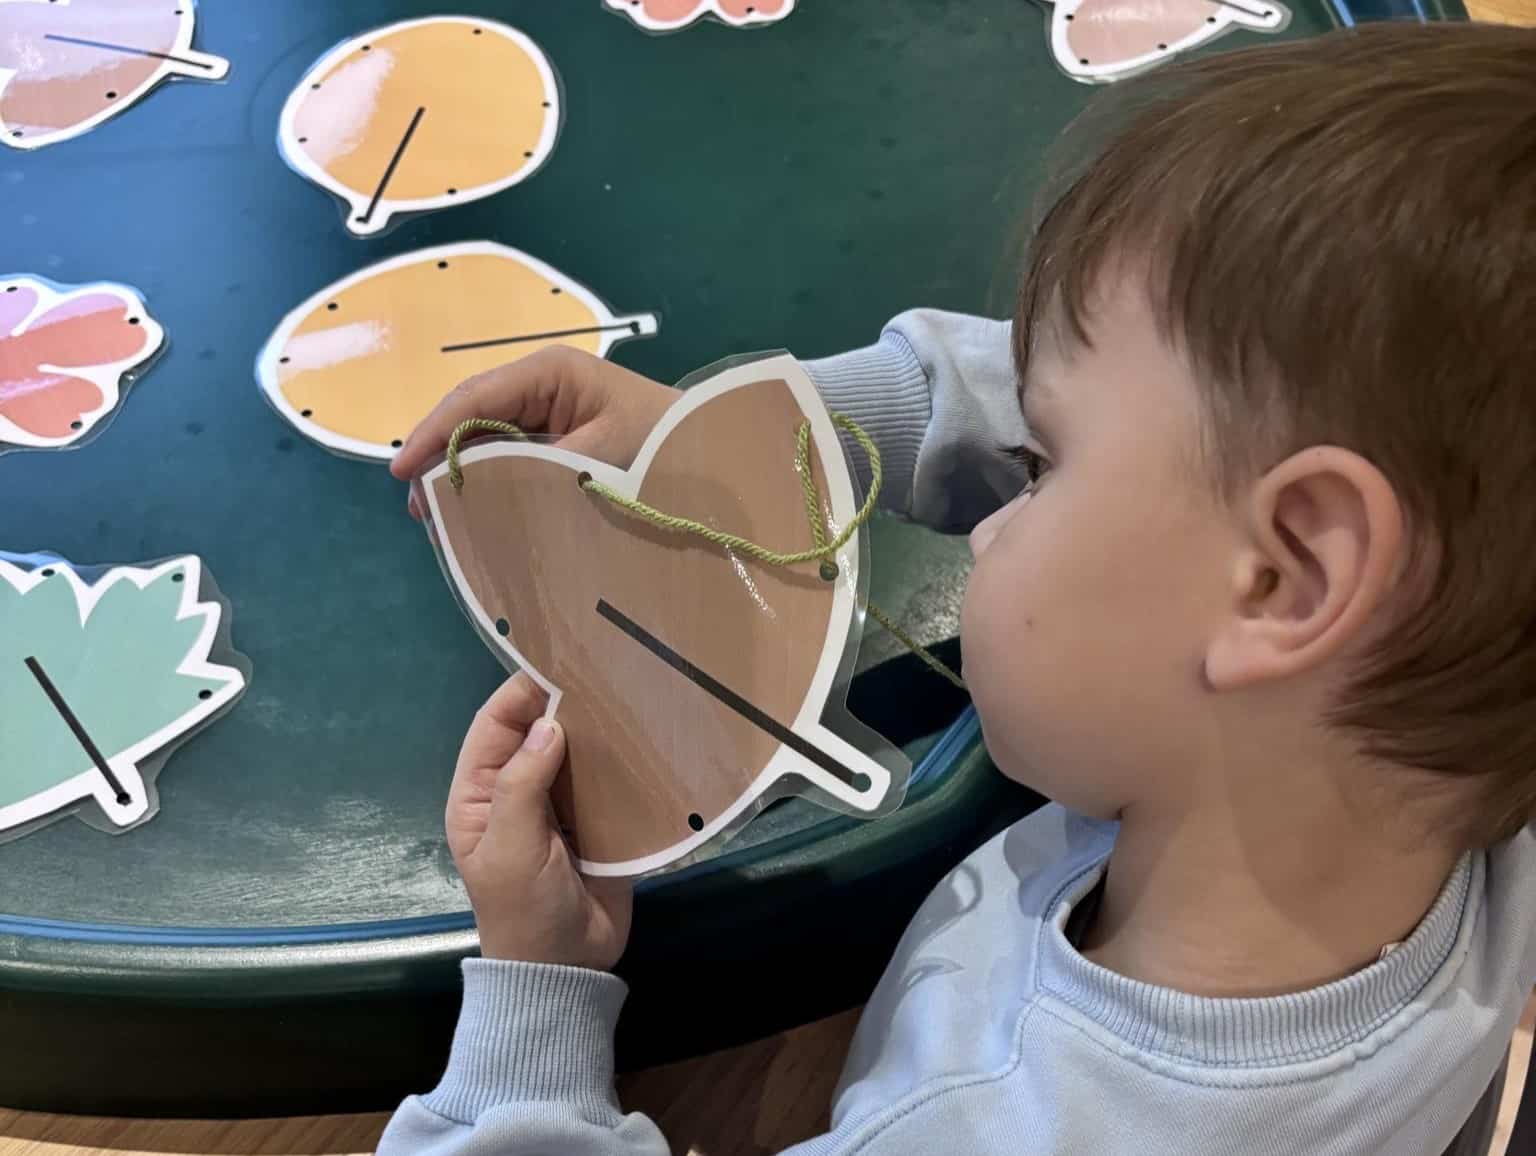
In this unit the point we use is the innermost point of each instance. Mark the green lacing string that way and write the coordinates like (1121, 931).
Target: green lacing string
(823, 550)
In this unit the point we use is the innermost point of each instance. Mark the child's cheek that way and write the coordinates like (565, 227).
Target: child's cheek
(1005, 667)
(990, 652)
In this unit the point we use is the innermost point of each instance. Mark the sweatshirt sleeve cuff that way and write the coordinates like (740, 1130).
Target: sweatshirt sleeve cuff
(531, 1032)
(885, 389)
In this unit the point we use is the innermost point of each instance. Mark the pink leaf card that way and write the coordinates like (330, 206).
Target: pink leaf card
(66, 355)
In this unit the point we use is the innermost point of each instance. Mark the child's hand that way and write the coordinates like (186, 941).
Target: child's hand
(529, 901)
(595, 407)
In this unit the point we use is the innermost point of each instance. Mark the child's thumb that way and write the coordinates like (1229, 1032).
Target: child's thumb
(522, 787)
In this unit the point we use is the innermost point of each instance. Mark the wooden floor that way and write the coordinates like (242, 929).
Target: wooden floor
(1521, 12)
(746, 1102)
(749, 1101)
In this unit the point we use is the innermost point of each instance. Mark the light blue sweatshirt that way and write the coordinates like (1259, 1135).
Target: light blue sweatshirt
(990, 1033)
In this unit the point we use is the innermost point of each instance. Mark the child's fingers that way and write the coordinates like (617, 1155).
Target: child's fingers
(518, 392)
(515, 704)
(604, 441)
(500, 725)
(520, 812)
(533, 769)
(430, 437)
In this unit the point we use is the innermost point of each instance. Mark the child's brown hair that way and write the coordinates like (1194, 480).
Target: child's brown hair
(1341, 237)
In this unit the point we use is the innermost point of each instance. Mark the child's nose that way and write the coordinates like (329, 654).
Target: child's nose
(988, 528)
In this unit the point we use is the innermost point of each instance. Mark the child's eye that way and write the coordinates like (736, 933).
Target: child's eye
(1035, 466)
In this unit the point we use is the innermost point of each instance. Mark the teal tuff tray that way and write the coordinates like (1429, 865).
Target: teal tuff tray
(285, 935)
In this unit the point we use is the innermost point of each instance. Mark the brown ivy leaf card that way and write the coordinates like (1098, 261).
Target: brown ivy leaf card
(694, 682)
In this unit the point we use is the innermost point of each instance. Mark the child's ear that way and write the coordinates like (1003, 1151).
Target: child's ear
(1323, 550)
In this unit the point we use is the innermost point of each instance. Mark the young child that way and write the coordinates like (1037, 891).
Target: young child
(1259, 613)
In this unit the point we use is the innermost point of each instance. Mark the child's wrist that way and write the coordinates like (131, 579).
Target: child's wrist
(512, 948)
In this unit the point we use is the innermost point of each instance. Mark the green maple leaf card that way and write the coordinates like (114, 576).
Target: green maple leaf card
(100, 679)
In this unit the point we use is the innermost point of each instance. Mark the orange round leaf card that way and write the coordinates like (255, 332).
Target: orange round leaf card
(694, 681)
(65, 68)
(66, 353)
(361, 362)
(421, 115)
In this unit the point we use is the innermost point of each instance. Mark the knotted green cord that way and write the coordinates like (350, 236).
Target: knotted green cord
(822, 549)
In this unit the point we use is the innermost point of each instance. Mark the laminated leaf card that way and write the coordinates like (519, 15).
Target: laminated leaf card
(668, 15)
(103, 672)
(67, 354)
(421, 115)
(67, 67)
(362, 361)
(1099, 41)
(694, 617)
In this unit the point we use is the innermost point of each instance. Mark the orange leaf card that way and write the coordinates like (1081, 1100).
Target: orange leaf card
(362, 361)
(422, 115)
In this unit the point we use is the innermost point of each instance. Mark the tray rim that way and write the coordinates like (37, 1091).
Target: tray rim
(42, 954)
